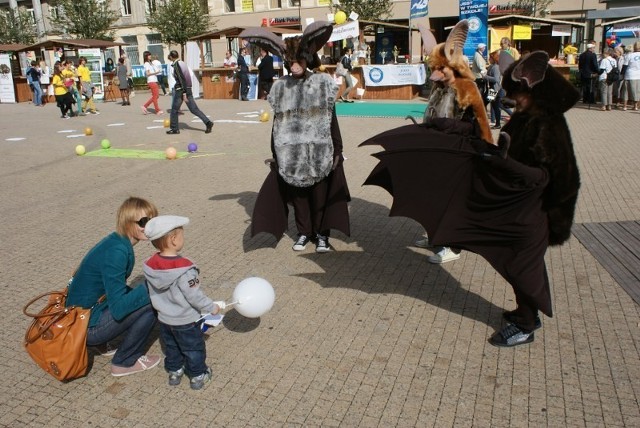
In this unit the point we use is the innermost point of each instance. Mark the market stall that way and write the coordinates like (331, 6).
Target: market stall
(220, 82)
(89, 48)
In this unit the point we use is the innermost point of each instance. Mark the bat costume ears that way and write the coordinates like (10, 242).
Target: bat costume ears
(533, 75)
(293, 48)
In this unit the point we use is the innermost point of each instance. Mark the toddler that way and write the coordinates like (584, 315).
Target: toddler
(174, 288)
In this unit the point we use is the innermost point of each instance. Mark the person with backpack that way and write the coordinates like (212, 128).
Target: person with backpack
(609, 74)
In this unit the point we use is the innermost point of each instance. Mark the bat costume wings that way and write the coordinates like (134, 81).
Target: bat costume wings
(470, 194)
(305, 139)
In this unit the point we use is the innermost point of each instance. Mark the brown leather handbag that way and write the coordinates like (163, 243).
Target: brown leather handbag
(57, 338)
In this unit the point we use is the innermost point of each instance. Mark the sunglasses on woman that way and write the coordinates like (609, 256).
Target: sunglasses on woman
(143, 221)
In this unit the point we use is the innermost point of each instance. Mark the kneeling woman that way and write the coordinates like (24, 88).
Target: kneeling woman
(126, 311)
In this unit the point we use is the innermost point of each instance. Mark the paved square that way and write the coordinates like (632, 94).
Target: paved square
(367, 335)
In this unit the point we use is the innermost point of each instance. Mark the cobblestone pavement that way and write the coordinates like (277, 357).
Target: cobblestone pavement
(367, 335)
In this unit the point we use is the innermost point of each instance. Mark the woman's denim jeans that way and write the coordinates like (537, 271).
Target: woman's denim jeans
(135, 328)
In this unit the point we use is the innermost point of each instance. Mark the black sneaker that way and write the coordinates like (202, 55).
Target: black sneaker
(511, 335)
(173, 131)
(209, 126)
(301, 243)
(512, 318)
(197, 382)
(322, 244)
(176, 377)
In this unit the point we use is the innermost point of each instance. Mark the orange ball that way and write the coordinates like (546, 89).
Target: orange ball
(167, 122)
(170, 153)
(88, 131)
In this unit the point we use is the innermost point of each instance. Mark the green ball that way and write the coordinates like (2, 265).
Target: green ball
(105, 144)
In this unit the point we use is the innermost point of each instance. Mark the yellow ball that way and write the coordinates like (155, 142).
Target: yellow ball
(170, 153)
(264, 116)
(340, 17)
(80, 150)
(167, 122)
(88, 131)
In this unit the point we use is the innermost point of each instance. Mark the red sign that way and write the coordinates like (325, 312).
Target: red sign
(284, 21)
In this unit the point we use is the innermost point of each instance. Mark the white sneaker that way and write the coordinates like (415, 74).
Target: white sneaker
(446, 254)
(422, 243)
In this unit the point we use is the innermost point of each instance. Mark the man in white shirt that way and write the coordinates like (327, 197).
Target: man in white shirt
(230, 60)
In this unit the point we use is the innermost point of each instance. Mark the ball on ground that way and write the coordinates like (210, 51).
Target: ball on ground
(80, 150)
(105, 144)
(88, 131)
(166, 123)
(264, 116)
(170, 153)
(192, 148)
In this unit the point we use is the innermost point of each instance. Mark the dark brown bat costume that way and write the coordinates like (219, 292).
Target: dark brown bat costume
(306, 144)
(508, 209)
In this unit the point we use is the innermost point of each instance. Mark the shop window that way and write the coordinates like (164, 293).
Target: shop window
(229, 6)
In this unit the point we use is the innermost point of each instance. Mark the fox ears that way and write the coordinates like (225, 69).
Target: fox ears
(455, 41)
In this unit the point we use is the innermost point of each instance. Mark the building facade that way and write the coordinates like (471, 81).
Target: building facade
(601, 16)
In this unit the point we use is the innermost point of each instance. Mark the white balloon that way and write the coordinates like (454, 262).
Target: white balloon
(255, 297)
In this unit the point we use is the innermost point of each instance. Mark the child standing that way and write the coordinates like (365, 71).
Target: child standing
(174, 288)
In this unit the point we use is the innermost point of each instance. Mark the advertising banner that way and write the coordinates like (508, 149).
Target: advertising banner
(394, 75)
(346, 31)
(7, 94)
(477, 12)
(94, 64)
(419, 8)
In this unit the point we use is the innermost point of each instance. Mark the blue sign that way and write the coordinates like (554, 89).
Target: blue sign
(477, 13)
(419, 8)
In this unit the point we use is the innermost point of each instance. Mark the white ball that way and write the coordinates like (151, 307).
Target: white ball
(255, 297)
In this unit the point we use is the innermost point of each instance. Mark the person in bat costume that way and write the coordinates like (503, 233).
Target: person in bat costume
(505, 203)
(306, 144)
(454, 95)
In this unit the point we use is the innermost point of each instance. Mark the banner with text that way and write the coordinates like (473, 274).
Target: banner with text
(394, 75)
(346, 31)
(477, 13)
(7, 94)
(419, 8)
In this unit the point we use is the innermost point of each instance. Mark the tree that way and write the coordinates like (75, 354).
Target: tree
(179, 20)
(533, 7)
(16, 26)
(85, 19)
(369, 10)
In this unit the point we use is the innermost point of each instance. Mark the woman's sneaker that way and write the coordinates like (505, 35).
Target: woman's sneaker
(145, 362)
(198, 382)
(176, 377)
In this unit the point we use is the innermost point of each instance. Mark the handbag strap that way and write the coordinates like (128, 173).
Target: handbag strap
(35, 299)
(62, 308)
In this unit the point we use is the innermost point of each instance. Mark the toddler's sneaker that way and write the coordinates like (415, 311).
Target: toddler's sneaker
(199, 381)
(144, 110)
(176, 377)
